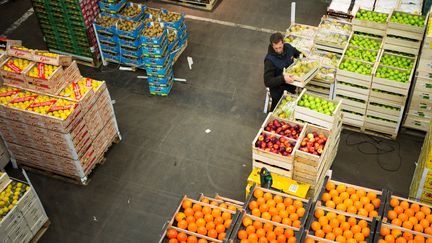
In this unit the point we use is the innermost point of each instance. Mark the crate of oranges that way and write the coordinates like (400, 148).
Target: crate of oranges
(329, 225)
(51, 58)
(20, 52)
(45, 77)
(229, 200)
(408, 214)
(79, 92)
(254, 229)
(98, 86)
(205, 219)
(6, 94)
(352, 199)
(13, 69)
(16, 106)
(387, 233)
(277, 207)
(175, 235)
(227, 203)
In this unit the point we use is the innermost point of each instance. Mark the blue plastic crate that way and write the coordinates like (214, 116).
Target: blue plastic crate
(132, 34)
(173, 45)
(138, 17)
(130, 43)
(107, 6)
(159, 72)
(161, 91)
(130, 60)
(102, 29)
(158, 41)
(175, 24)
(111, 56)
(148, 15)
(108, 38)
(162, 82)
(133, 52)
(157, 62)
(110, 47)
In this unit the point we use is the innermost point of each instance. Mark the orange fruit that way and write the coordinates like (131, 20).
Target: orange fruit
(281, 238)
(398, 209)
(283, 214)
(394, 202)
(407, 225)
(403, 217)
(258, 193)
(182, 237)
(319, 213)
(273, 211)
(348, 202)
(198, 215)
(330, 186)
(268, 227)
(350, 190)
(373, 214)
(376, 202)
(298, 204)
(260, 233)
(242, 234)
(344, 195)
(278, 230)
(186, 204)
(341, 188)
(409, 212)
(348, 234)
(216, 212)
(340, 239)
(401, 240)
(364, 200)
(369, 207)
(389, 238)
(208, 217)
(315, 226)
(371, 195)
(362, 223)
(405, 205)
(271, 203)
(352, 209)
(420, 215)
(418, 228)
(182, 224)
(296, 224)
(190, 219)
(196, 207)
(428, 230)
(355, 197)
(419, 238)
(189, 212)
(359, 237)
(172, 234)
(247, 221)
(264, 208)
(358, 205)
(200, 222)
(173, 241)
(221, 228)
(301, 212)
(341, 218)
(266, 215)
(271, 236)
(192, 227)
(291, 209)
(286, 221)
(384, 231)
(280, 206)
(333, 193)
(425, 210)
(327, 228)
(256, 212)
(352, 221)
(288, 201)
(278, 198)
(206, 210)
(260, 201)
(276, 219)
(415, 207)
(222, 236)
(268, 196)
(397, 222)
(408, 236)
(330, 236)
(365, 232)
(289, 233)
(424, 223)
(257, 224)
(345, 226)
(212, 233)
(337, 200)
(363, 212)
(202, 230)
(252, 205)
(192, 239)
(330, 204)
(334, 223)
(180, 216)
(356, 229)
(323, 220)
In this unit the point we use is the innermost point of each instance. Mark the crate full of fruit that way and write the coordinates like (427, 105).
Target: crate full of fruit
(222, 202)
(316, 110)
(132, 12)
(204, 219)
(13, 70)
(287, 128)
(129, 29)
(20, 52)
(285, 108)
(51, 58)
(111, 6)
(352, 199)
(409, 23)
(370, 21)
(45, 74)
(328, 225)
(302, 30)
(175, 234)
(79, 91)
(303, 70)
(106, 24)
(272, 148)
(391, 233)
(356, 69)
(172, 19)
(392, 79)
(154, 33)
(277, 207)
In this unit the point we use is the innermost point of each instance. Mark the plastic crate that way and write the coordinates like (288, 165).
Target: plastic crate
(163, 82)
(155, 51)
(131, 60)
(108, 38)
(138, 17)
(132, 34)
(110, 7)
(132, 52)
(130, 43)
(111, 56)
(102, 29)
(157, 62)
(161, 91)
(110, 47)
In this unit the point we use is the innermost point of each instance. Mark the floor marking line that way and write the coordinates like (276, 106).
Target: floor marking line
(19, 21)
(227, 23)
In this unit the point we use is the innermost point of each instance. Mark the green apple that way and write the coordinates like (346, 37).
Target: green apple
(393, 74)
(317, 104)
(363, 14)
(356, 67)
(365, 42)
(408, 19)
(397, 61)
(362, 54)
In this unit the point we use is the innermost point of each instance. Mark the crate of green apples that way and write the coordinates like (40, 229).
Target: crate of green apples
(352, 90)
(317, 110)
(395, 98)
(398, 43)
(384, 109)
(355, 69)
(398, 60)
(362, 54)
(303, 70)
(393, 79)
(303, 44)
(370, 22)
(407, 22)
(366, 41)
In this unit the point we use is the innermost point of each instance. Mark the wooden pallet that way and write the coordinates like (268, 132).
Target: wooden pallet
(68, 178)
(87, 61)
(192, 4)
(41, 232)
(180, 52)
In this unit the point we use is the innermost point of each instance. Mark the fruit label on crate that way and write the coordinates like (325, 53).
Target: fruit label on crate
(88, 82)
(24, 99)
(46, 103)
(42, 58)
(63, 107)
(14, 67)
(428, 86)
(76, 90)
(9, 93)
(41, 69)
(293, 188)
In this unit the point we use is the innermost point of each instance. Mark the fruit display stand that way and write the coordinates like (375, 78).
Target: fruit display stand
(332, 35)
(371, 22)
(277, 207)
(328, 225)
(66, 28)
(247, 224)
(202, 220)
(24, 220)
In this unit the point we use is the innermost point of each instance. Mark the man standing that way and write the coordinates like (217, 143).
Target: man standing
(279, 56)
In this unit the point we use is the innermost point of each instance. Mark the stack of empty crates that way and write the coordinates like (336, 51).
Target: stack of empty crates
(419, 113)
(67, 27)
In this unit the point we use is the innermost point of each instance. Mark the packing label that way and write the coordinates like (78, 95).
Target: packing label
(41, 68)
(14, 67)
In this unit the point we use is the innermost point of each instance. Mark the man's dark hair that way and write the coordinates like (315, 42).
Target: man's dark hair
(276, 38)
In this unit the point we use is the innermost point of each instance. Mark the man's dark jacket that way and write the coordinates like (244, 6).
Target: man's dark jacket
(273, 68)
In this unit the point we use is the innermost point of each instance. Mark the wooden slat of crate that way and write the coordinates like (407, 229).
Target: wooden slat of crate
(417, 123)
(404, 33)
(347, 106)
(353, 80)
(384, 115)
(383, 110)
(353, 92)
(327, 47)
(355, 76)
(380, 125)
(402, 42)
(321, 84)
(273, 169)
(423, 84)
(390, 88)
(317, 118)
(353, 103)
(351, 118)
(395, 99)
(398, 48)
(368, 30)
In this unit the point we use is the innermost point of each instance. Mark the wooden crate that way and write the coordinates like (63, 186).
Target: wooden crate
(354, 105)
(14, 51)
(4, 180)
(404, 49)
(59, 60)
(353, 91)
(402, 42)
(377, 111)
(381, 126)
(309, 32)
(388, 225)
(356, 76)
(414, 122)
(302, 81)
(314, 117)
(392, 85)
(273, 169)
(385, 102)
(391, 97)
(353, 119)
(413, 32)
(271, 118)
(417, 105)
(285, 162)
(217, 200)
(14, 78)
(54, 80)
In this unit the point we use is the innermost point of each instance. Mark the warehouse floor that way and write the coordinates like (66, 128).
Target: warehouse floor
(166, 151)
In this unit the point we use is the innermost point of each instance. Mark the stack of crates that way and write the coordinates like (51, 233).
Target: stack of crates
(111, 6)
(67, 26)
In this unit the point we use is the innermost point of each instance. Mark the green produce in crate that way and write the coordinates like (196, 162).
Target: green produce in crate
(302, 67)
(131, 11)
(317, 104)
(285, 108)
(405, 18)
(397, 61)
(170, 17)
(386, 106)
(356, 67)
(153, 31)
(362, 54)
(10, 197)
(371, 16)
(365, 42)
(106, 21)
(393, 74)
(127, 25)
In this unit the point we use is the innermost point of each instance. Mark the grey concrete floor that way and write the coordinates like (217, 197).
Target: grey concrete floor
(166, 153)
